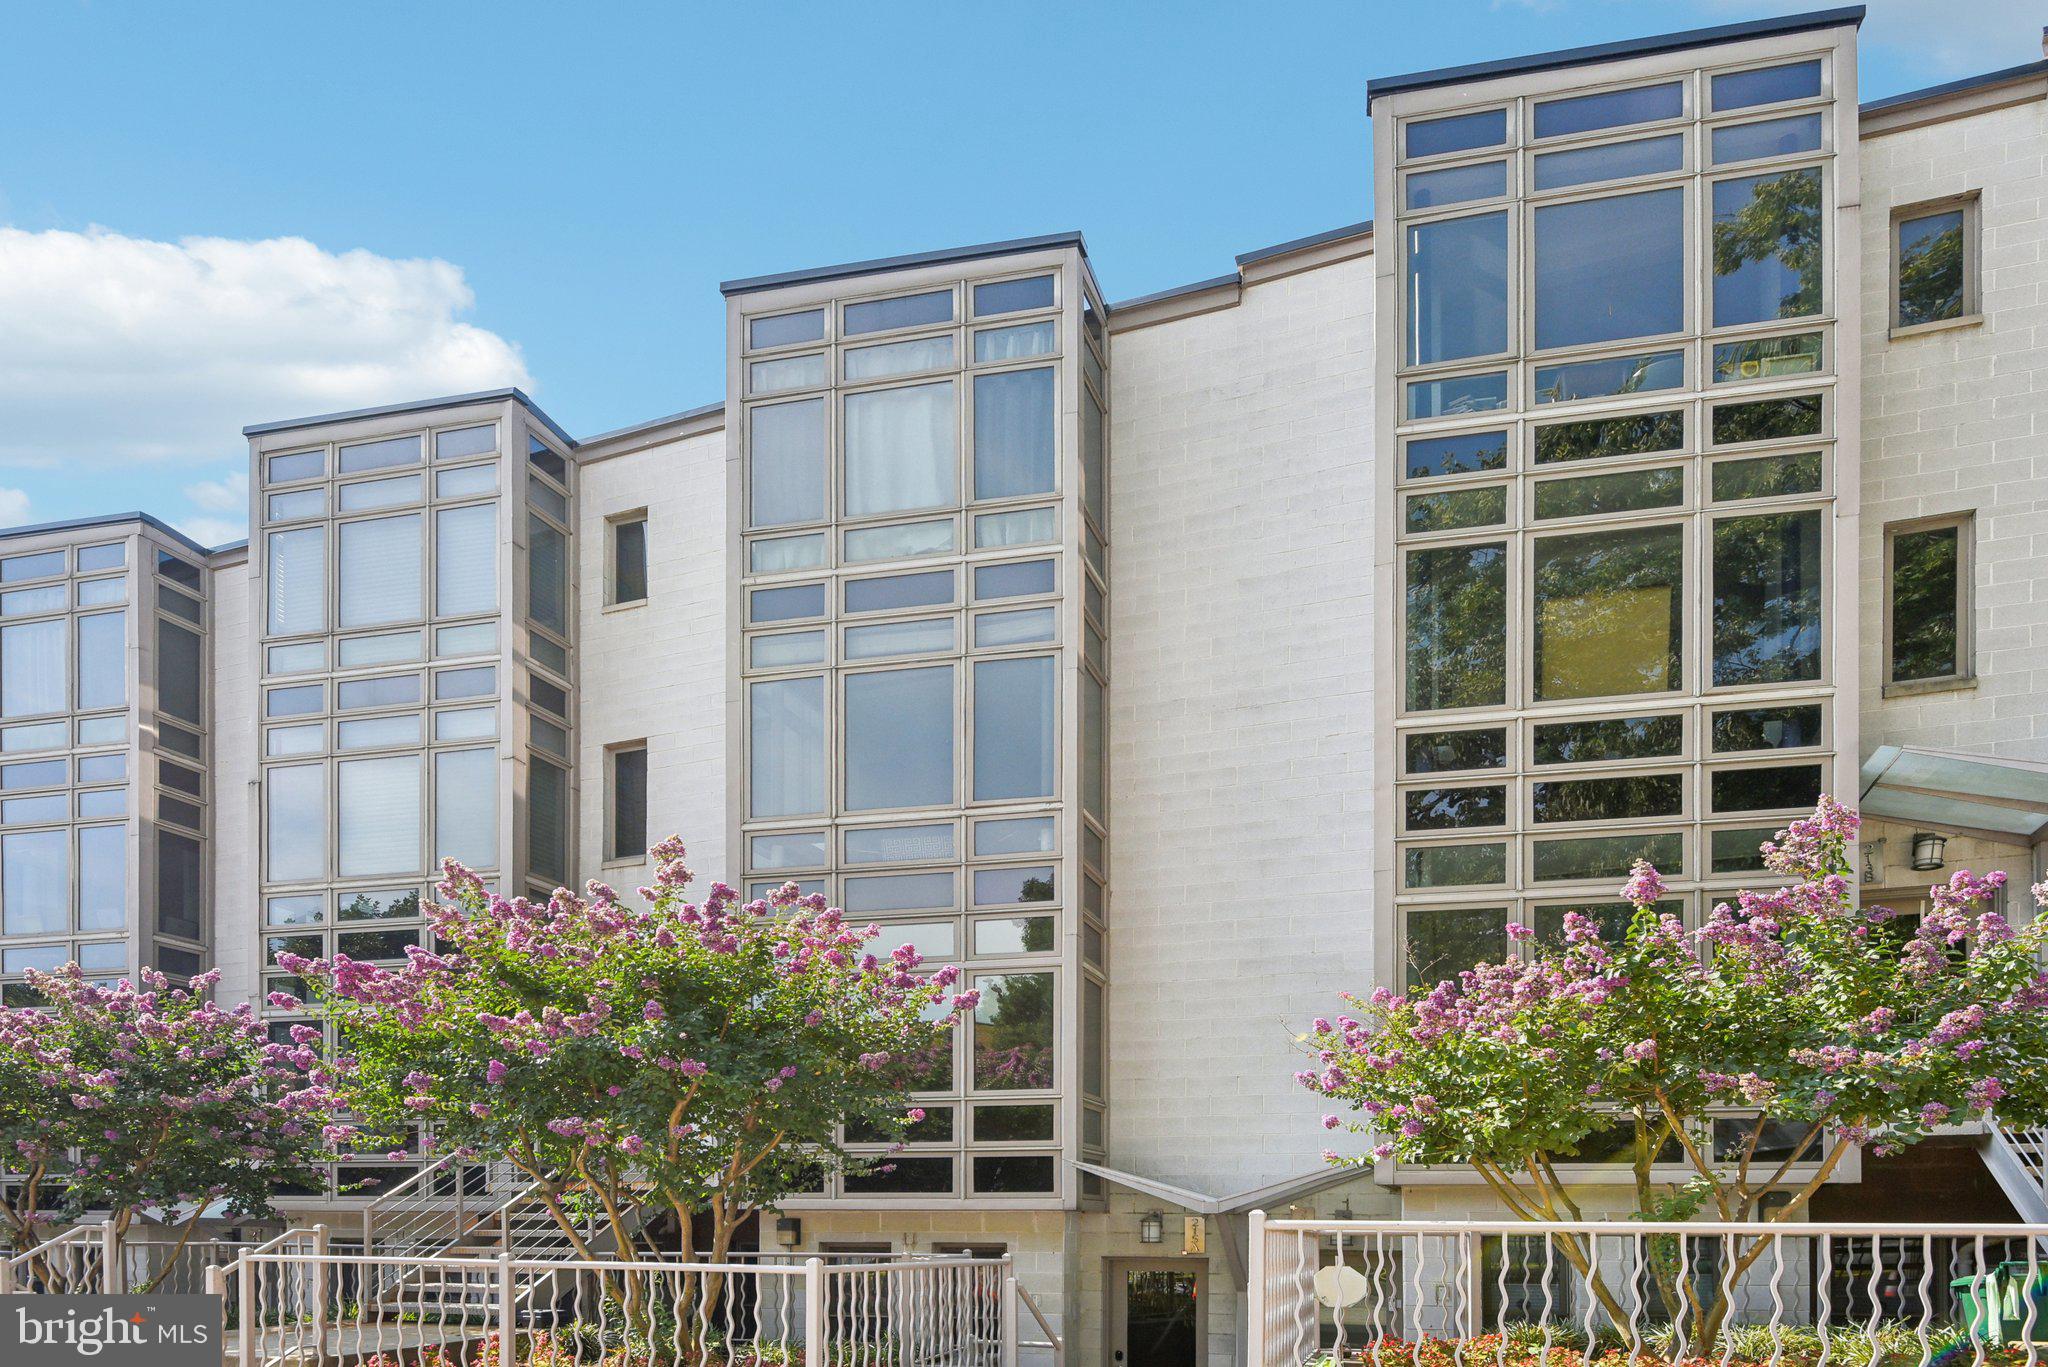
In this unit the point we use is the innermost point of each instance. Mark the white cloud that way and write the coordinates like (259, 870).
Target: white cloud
(119, 349)
(228, 494)
(13, 507)
(224, 509)
(212, 531)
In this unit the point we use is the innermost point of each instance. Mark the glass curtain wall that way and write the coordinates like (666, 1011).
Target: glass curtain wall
(924, 607)
(70, 766)
(1614, 469)
(383, 667)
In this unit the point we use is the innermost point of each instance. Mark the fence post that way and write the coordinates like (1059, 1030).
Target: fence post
(507, 1303)
(249, 1315)
(1007, 1332)
(320, 1275)
(113, 1276)
(1255, 1289)
(814, 1312)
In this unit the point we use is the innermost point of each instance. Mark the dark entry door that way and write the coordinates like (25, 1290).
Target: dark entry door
(1156, 1315)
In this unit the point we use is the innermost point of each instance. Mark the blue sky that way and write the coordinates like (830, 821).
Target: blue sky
(227, 213)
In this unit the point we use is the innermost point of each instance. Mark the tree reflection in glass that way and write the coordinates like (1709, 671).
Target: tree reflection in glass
(1013, 1039)
(1931, 268)
(1767, 592)
(1457, 627)
(1767, 247)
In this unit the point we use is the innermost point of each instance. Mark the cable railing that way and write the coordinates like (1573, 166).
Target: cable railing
(312, 1307)
(1529, 1294)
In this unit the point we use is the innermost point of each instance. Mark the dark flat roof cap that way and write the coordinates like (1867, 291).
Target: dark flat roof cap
(416, 406)
(1935, 92)
(1195, 287)
(1300, 243)
(902, 263)
(1607, 52)
(108, 520)
(701, 411)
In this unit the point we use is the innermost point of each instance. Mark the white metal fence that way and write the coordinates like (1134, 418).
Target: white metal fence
(299, 1307)
(76, 1262)
(1524, 1294)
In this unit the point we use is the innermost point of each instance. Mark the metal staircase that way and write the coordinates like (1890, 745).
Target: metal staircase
(2018, 1160)
(470, 1211)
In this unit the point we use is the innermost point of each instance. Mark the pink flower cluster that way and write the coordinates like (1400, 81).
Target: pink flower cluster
(1794, 1000)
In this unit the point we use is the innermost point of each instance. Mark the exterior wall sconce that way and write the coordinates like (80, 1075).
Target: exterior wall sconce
(789, 1232)
(1151, 1228)
(1927, 850)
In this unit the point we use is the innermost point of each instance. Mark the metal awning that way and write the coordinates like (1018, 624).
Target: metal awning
(1237, 1203)
(1228, 1209)
(2004, 799)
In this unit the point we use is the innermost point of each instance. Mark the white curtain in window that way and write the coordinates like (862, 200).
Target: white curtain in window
(466, 560)
(901, 449)
(296, 571)
(378, 825)
(32, 673)
(380, 571)
(786, 463)
(102, 877)
(1013, 436)
(466, 807)
(295, 823)
(1014, 723)
(786, 743)
(102, 660)
(35, 882)
(898, 742)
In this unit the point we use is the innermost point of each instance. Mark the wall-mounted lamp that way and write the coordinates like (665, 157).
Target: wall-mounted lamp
(789, 1232)
(1927, 849)
(1151, 1227)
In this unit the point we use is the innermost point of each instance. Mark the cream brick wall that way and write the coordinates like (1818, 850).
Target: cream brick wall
(1241, 721)
(657, 672)
(233, 842)
(1958, 420)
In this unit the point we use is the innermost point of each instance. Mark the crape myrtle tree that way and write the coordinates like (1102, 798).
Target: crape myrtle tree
(149, 1099)
(1793, 1006)
(701, 1057)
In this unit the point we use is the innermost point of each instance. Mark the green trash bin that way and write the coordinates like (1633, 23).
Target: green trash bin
(1995, 1305)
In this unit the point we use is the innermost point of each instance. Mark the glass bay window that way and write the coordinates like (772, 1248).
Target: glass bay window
(1594, 562)
(925, 605)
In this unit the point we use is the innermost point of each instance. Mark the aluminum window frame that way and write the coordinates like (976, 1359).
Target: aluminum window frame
(1965, 677)
(1970, 204)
